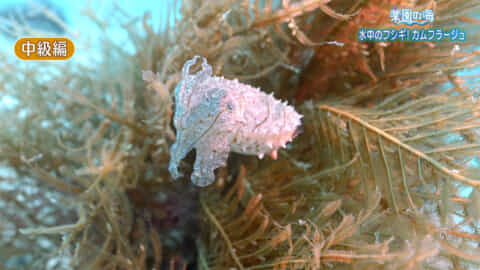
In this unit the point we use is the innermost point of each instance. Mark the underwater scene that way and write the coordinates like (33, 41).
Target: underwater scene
(240, 134)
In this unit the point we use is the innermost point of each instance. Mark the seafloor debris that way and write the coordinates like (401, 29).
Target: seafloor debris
(215, 115)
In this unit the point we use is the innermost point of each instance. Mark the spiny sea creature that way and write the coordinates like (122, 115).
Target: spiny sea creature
(215, 115)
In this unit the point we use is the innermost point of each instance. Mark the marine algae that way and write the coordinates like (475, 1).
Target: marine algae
(384, 176)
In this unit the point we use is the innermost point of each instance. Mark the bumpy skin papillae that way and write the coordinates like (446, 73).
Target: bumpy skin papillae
(215, 115)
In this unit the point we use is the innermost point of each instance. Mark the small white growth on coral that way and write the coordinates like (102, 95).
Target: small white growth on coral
(215, 115)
